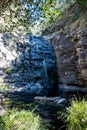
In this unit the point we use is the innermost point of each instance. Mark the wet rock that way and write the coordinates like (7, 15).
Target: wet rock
(57, 100)
(27, 63)
(68, 88)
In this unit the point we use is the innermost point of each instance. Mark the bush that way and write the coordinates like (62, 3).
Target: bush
(8, 70)
(77, 115)
(4, 87)
(20, 120)
(2, 124)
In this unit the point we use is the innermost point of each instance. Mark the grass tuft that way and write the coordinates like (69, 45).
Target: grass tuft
(4, 87)
(20, 120)
(76, 115)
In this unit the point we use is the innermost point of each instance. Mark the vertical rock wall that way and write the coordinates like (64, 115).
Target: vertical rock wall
(27, 63)
(70, 47)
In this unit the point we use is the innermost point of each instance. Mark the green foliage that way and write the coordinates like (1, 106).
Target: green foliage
(20, 120)
(4, 87)
(77, 115)
(19, 17)
(8, 70)
(14, 17)
(83, 2)
(51, 13)
(82, 5)
(2, 124)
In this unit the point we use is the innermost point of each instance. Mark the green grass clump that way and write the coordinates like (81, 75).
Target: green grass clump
(77, 115)
(8, 70)
(20, 120)
(4, 87)
(2, 124)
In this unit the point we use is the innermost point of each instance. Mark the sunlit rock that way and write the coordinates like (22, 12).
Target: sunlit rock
(28, 64)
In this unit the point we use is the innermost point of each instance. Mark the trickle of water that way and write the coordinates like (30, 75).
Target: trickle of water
(45, 69)
(33, 66)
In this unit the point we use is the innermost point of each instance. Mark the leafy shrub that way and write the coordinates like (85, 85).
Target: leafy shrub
(21, 120)
(4, 87)
(77, 115)
(83, 2)
(2, 124)
(8, 70)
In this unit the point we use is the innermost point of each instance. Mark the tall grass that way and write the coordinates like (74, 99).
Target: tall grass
(20, 120)
(76, 115)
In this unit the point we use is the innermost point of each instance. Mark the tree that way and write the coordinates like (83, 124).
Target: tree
(21, 14)
(13, 15)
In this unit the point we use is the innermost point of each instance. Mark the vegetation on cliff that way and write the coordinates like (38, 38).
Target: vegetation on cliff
(22, 15)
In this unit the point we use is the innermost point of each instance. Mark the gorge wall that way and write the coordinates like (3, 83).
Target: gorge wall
(27, 64)
(70, 45)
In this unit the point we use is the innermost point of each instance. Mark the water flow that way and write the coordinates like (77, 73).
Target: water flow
(33, 69)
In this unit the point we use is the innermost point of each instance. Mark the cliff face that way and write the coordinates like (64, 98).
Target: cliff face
(27, 64)
(70, 45)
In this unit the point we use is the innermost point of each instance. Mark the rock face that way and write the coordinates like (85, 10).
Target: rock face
(70, 45)
(27, 63)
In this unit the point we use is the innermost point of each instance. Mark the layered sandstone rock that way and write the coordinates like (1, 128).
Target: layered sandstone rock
(27, 63)
(70, 45)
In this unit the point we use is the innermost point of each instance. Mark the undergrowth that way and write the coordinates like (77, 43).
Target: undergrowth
(20, 120)
(76, 115)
